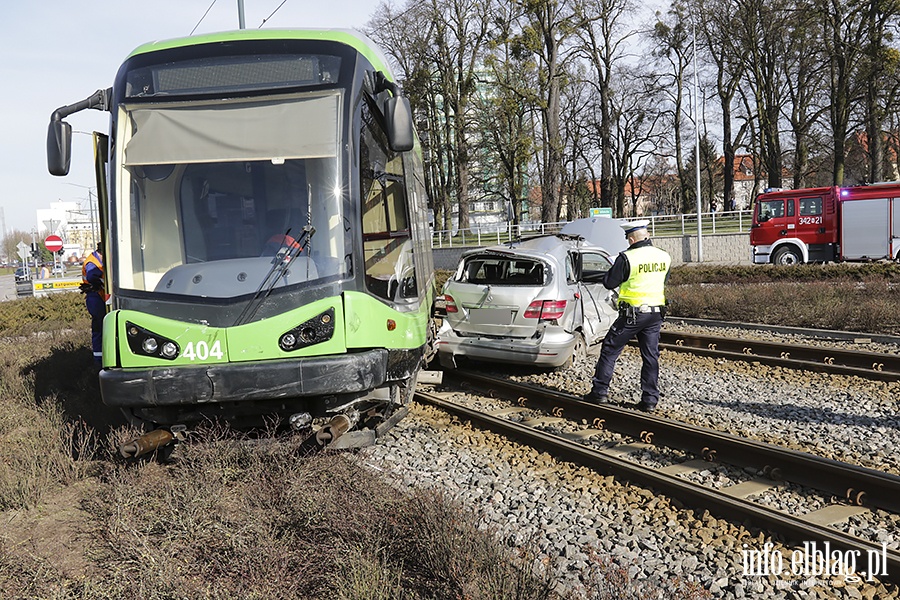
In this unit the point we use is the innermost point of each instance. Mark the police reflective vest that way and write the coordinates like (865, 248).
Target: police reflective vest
(646, 283)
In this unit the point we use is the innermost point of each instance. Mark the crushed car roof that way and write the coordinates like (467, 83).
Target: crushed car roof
(554, 245)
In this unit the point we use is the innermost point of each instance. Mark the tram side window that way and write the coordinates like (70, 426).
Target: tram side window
(389, 266)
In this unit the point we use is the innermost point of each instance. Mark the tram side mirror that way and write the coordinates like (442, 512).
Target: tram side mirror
(399, 122)
(59, 147)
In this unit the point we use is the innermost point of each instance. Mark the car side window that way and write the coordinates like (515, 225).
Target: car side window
(593, 263)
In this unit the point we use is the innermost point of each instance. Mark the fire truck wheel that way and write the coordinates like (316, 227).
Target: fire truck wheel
(786, 256)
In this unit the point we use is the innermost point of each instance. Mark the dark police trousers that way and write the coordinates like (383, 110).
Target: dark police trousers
(96, 307)
(646, 327)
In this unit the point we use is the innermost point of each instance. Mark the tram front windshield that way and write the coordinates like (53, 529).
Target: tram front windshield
(217, 196)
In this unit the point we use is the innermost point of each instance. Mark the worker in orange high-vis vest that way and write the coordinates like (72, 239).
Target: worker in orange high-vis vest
(640, 273)
(95, 296)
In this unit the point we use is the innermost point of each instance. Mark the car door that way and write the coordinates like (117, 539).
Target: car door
(598, 304)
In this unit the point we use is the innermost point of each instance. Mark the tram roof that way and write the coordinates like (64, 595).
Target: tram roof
(355, 39)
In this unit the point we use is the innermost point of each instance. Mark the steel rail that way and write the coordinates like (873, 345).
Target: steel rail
(794, 529)
(870, 365)
(821, 334)
(856, 485)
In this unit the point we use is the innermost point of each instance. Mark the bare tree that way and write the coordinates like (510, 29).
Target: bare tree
(11, 241)
(804, 77)
(671, 35)
(729, 56)
(844, 25)
(763, 31)
(505, 110)
(576, 109)
(406, 36)
(877, 66)
(602, 42)
(448, 55)
(548, 26)
(638, 131)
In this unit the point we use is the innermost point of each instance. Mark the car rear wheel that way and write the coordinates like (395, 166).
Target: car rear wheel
(579, 353)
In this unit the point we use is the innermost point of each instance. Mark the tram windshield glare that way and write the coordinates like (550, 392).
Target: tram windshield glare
(218, 192)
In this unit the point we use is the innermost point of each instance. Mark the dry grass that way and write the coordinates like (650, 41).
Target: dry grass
(233, 517)
(862, 298)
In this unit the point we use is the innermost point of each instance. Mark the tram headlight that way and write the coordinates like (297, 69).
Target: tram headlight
(287, 341)
(169, 350)
(149, 345)
(316, 330)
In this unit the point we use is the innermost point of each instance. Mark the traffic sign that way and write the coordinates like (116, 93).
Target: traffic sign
(22, 247)
(53, 243)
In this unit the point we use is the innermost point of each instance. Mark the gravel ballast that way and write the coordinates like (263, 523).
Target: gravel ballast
(579, 520)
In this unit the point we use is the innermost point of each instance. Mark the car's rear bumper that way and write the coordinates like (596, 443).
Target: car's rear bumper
(552, 349)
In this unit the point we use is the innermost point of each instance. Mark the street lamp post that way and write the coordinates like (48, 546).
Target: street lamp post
(697, 147)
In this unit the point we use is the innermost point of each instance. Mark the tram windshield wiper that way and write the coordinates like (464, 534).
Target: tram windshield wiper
(280, 264)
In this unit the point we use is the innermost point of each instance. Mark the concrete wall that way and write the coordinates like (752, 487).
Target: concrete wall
(719, 248)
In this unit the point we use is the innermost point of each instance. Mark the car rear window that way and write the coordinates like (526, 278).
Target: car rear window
(503, 271)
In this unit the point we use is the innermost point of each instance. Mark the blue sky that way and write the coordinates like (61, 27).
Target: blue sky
(55, 52)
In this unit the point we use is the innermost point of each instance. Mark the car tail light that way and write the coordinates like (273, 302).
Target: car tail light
(546, 309)
(450, 306)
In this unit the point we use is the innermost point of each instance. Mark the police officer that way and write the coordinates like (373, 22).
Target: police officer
(95, 298)
(640, 273)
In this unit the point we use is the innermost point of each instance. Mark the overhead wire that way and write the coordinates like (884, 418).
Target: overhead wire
(283, 2)
(203, 17)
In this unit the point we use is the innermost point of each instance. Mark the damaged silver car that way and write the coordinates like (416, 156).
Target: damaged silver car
(535, 302)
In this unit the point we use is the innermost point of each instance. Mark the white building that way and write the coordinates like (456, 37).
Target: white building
(75, 226)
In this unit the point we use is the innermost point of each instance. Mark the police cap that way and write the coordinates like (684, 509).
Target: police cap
(630, 226)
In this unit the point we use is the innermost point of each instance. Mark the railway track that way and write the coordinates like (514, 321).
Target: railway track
(853, 489)
(801, 332)
(811, 357)
(808, 357)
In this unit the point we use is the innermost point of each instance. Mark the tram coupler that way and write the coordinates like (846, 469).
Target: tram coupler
(152, 441)
(339, 425)
(325, 436)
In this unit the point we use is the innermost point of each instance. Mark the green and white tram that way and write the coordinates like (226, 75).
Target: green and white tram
(264, 225)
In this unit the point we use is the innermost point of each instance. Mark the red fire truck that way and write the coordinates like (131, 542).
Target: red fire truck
(828, 224)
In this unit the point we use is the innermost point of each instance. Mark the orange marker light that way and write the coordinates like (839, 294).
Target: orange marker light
(391, 324)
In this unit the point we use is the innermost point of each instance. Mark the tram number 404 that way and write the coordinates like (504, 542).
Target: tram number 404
(203, 351)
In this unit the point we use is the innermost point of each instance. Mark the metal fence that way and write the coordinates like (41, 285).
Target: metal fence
(736, 221)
